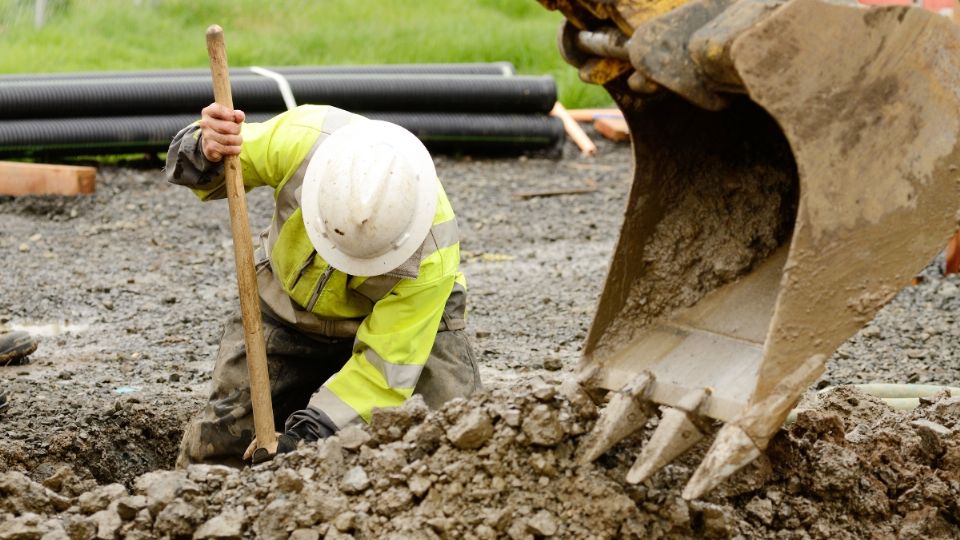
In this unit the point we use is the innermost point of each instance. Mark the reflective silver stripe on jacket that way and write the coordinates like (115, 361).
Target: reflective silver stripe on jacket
(396, 375)
(339, 412)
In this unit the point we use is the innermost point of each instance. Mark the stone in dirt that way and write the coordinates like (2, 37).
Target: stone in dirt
(542, 426)
(354, 480)
(471, 431)
(227, 525)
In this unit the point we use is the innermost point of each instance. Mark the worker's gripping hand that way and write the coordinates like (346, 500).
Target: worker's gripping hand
(286, 442)
(220, 131)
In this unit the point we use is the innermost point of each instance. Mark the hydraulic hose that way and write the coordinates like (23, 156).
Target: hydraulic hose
(504, 69)
(254, 93)
(441, 132)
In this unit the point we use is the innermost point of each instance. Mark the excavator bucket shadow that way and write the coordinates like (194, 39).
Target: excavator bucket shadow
(808, 175)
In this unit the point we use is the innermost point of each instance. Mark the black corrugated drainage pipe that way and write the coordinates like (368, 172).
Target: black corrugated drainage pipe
(252, 93)
(504, 69)
(441, 132)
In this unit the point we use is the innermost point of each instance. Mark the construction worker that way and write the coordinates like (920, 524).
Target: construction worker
(362, 299)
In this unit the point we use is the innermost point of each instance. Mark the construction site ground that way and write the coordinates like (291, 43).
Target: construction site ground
(128, 289)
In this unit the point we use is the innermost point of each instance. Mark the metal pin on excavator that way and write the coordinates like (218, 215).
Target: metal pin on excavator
(796, 163)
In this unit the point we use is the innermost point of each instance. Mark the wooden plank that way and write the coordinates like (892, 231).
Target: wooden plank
(45, 179)
(953, 255)
(589, 115)
(614, 129)
(590, 187)
(574, 131)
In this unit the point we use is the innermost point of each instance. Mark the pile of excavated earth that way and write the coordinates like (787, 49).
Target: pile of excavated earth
(503, 464)
(127, 290)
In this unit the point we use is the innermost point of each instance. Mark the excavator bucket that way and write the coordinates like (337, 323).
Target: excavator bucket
(796, 164)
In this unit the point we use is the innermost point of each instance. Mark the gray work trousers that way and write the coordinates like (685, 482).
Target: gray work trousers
(299, 364)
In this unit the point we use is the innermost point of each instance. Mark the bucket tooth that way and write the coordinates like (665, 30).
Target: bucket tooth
(731, 450)
(740, 442)
(680, 428)
(627, 411)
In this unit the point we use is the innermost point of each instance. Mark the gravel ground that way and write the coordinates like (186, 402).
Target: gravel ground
(128, 289)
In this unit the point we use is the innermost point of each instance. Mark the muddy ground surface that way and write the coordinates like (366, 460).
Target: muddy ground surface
(128, 289)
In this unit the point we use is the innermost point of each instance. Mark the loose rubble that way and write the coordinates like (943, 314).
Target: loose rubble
(878, 473)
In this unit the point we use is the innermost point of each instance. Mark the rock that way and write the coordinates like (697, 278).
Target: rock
(275, 521)
(543, 391)
(718, 522)
(78, 527)
(178, 519)
(542, 524)
(947, 408)
(511, 417)
(472, 430)
(345, 521)
(948, 290)
(108, 522)
(304, 534)
(225, 526)
(419, 485)
(762, 509)
(931, 436)
(926, 522)
(552, 364)
(160, 487)
(25, 527)
(288, 481)
(353, 437)
(542, 427)
(128, 507)
(324, 506)
(393, 501)
(389, 424)
(203, 472)
(100, 498)
(20, 495)
(354, 480)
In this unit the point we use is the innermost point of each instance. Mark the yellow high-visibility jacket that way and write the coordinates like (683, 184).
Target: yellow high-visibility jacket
(395, 316)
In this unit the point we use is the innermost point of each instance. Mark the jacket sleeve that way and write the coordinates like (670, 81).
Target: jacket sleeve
(272, 151)
(186, 164)
(389, 354)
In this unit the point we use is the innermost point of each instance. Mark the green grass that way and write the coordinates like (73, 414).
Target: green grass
(95, 35)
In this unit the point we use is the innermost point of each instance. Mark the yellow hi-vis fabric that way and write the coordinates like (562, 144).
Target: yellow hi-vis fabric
(400, 313)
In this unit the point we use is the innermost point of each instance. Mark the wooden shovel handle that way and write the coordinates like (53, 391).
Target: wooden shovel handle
(243, 255)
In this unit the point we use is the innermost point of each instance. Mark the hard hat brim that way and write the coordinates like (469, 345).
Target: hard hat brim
(419, 228)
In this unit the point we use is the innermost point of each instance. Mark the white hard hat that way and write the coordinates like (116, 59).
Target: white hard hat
(369, 197)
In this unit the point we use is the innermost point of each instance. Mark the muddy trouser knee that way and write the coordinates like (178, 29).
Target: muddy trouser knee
(451, 370)
(298, 365)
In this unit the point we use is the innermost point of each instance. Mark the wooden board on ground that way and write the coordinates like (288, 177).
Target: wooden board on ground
(45, 179)
(614, 129)
(589, 115)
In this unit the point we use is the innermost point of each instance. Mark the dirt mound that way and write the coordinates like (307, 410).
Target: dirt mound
(503, 464)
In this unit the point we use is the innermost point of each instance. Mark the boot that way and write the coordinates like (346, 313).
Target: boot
(15, 347)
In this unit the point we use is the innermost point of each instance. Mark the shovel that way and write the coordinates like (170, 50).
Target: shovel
(246, 274)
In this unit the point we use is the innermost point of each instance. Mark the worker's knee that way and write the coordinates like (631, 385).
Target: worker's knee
(451, 370)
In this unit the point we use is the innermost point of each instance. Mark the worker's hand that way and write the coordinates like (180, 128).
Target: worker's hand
(286, 442)
(220, 131)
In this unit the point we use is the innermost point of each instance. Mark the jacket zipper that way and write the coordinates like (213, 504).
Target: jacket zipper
(321, 283)
(303, 270)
